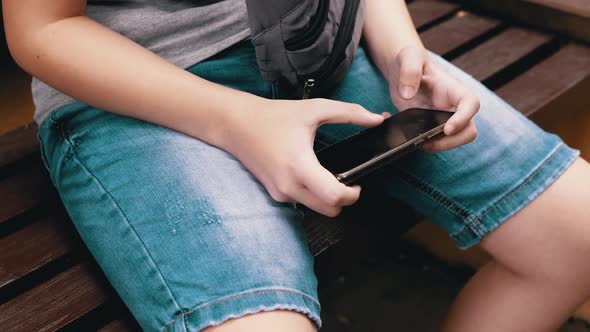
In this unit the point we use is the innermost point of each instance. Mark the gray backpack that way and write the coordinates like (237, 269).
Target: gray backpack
(308, 43)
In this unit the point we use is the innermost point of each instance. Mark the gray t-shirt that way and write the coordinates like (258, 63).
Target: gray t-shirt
(184, 32)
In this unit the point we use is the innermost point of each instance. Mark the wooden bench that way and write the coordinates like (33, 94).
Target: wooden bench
(48, 279)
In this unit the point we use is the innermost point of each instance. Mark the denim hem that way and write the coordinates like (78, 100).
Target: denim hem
(548, 171)
(244, 303)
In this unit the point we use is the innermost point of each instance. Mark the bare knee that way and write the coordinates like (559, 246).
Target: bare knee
(278, 320)
(549, 239)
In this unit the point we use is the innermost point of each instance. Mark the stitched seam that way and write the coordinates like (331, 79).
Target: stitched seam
(87, 170)
(510, 194)
(185, 323)
(435, 195)
(183, 315)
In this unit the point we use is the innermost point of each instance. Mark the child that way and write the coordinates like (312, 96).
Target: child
(180, 180)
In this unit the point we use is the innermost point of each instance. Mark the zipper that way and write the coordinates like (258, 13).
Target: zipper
(343, 38)
(307, 86)
(312, 30)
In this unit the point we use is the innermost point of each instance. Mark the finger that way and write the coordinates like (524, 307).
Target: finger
(411, 63)
(340, 112)
(386, 115)
(463, 137)
(325, 186)
(307, 198)
(467, 107)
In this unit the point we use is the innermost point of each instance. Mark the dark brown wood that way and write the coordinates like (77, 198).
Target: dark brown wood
(499, 52)
(30, 248)
(119, 325)
(573, 23)
(460, 29)
(55, 303)
(549, 80)
(18, 143)
(576, 7)
(426, 11)
(321, 232)
(73, 293)
(23, 191)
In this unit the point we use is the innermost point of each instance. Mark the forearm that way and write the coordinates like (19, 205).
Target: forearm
(388, 29)
(97, 66)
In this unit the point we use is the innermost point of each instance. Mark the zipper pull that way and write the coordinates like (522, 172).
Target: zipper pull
(309, 83)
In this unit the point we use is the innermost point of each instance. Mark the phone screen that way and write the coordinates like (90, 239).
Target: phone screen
(394, 132)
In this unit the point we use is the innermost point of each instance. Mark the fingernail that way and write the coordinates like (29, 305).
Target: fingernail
(407, 92)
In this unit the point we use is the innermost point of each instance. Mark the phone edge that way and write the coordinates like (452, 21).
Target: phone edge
(351, 175)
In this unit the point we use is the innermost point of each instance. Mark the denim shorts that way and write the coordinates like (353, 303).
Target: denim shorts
(189, 238)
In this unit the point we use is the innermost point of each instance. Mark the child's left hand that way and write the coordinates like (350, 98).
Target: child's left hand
(416, 81)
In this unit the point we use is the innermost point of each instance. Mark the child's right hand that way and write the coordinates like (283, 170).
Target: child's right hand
(275, 143)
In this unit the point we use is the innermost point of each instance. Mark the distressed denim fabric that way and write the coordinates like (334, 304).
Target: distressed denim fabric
(189, 238)
(473, 189)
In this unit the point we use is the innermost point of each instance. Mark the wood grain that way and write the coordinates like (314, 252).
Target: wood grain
(119, 325)
(569, 17)
(426, 11)
(548, 80)
(576, 7)
(499, 52)
(56, 302)
(23, 191)
(78, 290)
(457, 31)
(18, 143)
(34, 246)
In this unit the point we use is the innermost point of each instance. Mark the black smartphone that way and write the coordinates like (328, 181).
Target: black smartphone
(372, 148)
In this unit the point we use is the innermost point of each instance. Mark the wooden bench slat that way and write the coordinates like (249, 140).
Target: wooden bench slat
(18, 143)
(114, 326)
(548, 80)
(499, 52)
(567, 18)
(32, 247)
(426, 11)
(55, 303)
(77, 291)
(321, 233)
(577, 7)
(23, 191)
(457, 31)
(118, 325)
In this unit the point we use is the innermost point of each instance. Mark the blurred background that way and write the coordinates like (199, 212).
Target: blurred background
(16, 105)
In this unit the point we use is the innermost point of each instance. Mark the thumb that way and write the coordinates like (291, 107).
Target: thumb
(341, 112)
(411, 63)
